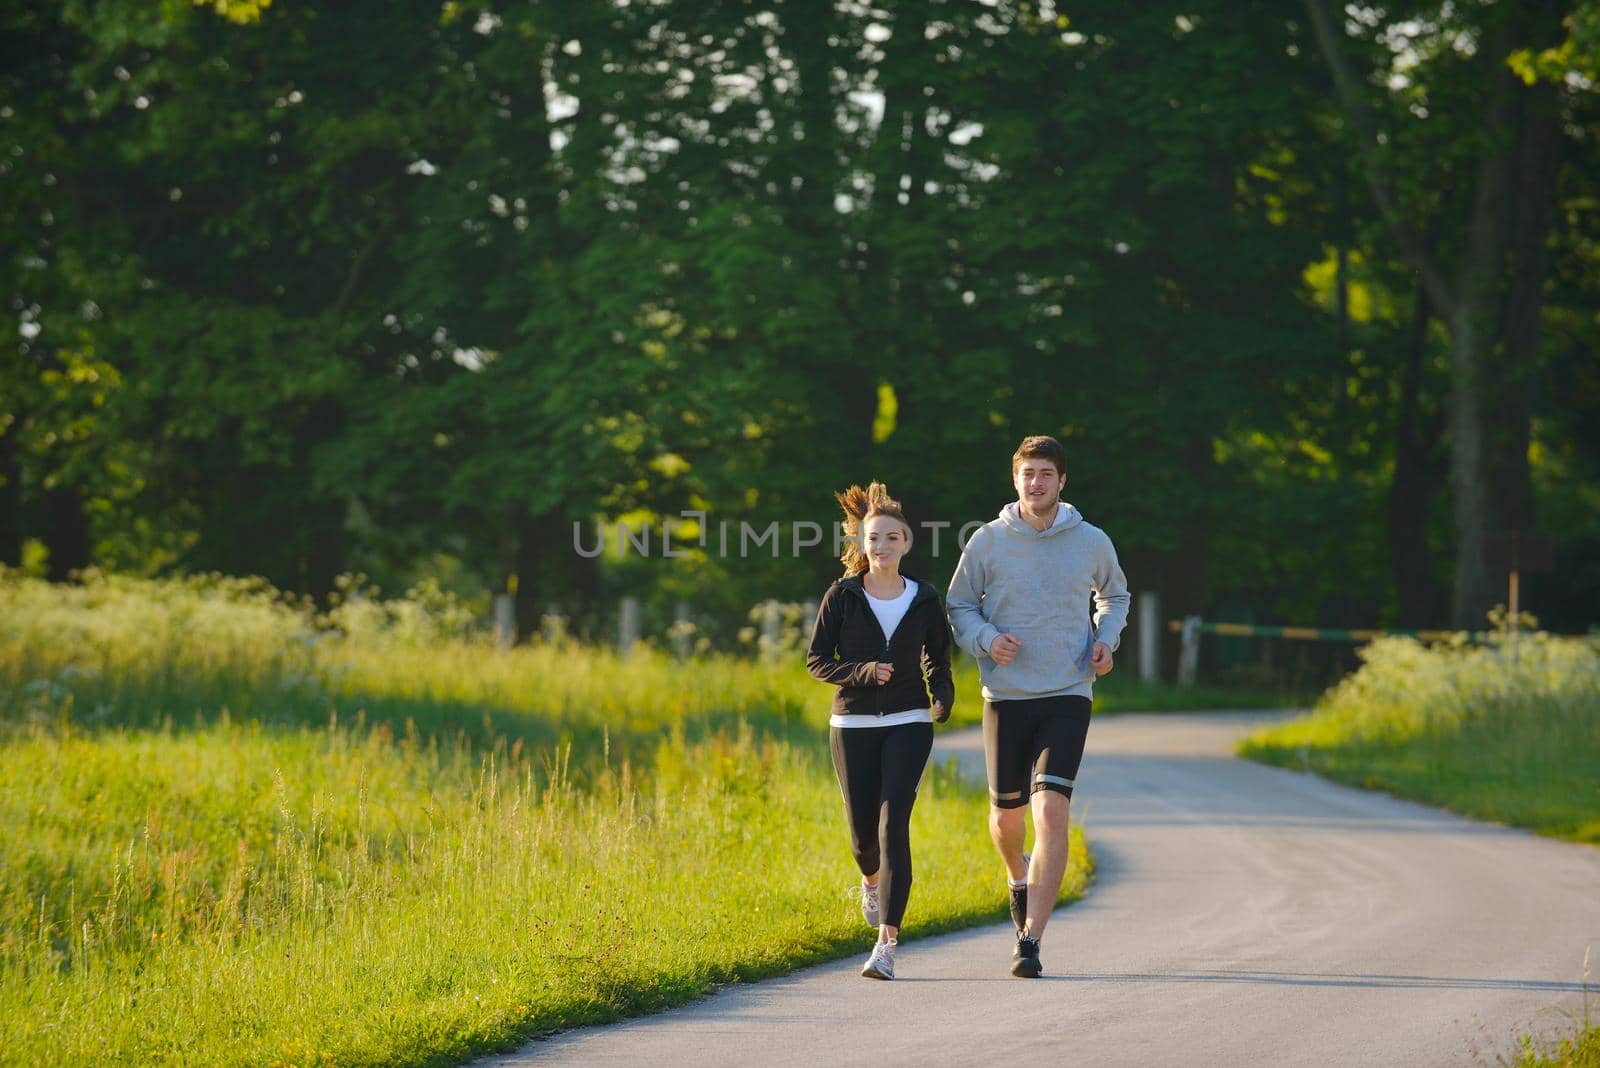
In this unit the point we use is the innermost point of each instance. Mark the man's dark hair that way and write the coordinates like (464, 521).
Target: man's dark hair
(1039, 447)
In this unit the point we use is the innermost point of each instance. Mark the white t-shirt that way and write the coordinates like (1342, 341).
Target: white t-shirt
(890, 611)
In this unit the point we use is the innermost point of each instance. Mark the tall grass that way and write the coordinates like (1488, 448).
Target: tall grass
(232, 831)
(1507, 732)
(137, 653)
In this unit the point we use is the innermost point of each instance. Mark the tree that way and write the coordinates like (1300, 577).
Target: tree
(1485, 274)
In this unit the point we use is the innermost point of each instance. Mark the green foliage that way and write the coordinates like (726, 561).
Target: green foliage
(1508, 731)
(1577, 58)
(308, 289)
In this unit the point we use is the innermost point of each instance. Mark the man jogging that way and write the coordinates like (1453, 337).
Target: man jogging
(1020, 602)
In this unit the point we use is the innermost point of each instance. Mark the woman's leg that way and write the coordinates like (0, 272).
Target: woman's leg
(857, 762)
(904, 756)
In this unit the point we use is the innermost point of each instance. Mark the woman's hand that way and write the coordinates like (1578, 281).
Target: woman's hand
(940, 713)
(1101, 658)
(884, 671)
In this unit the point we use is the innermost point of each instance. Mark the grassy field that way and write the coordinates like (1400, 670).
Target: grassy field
(1496, 732)
(234, 832)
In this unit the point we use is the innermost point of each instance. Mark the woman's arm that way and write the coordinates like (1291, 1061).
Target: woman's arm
(936, 664)
(820, 656)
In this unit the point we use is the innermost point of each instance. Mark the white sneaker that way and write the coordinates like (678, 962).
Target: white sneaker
(881, 964)
(871, 909)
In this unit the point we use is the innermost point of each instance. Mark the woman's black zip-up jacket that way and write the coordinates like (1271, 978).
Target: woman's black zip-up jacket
(847, 645)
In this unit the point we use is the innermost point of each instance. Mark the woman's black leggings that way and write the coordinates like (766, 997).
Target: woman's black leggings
(879, 769)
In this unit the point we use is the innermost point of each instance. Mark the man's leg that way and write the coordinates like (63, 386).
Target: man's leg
(1008, 755)
(1063, 729)
(1007, 829)
(1049, 865)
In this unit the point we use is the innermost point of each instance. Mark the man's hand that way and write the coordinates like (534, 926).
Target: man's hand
(940, 713)
(883, 671)
(1101, 660)
(1004, 649)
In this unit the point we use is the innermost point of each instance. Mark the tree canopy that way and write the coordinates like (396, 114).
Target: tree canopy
(1309, 293)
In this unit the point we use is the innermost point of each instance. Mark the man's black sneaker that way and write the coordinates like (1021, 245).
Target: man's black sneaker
(1025, 961)
(1019, 907)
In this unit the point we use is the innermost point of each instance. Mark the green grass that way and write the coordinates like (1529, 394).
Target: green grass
(233, 832)
(1497, 732)
(1581, 1050)
(1578, 1050)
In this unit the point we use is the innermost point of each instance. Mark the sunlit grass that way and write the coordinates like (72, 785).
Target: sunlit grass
(232, 832)
(1507, 732)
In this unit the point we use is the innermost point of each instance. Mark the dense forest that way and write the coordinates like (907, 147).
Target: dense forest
(1310, 293)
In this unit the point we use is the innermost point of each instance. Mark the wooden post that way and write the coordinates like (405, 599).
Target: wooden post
(505, 621)
(1189, 654)
(1148, 609)
(770, 621)
(682, 627)
(1514, 605)
(553, 625)
(628, 624)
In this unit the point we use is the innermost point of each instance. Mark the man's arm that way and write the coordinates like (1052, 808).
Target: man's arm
(974, 632)
(1110, 599)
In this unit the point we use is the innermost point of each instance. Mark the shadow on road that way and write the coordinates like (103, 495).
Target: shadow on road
(1377, 982)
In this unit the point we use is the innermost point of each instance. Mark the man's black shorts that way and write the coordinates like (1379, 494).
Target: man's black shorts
(1033, 744)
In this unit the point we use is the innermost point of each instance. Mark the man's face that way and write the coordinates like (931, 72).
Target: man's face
(1038, 485)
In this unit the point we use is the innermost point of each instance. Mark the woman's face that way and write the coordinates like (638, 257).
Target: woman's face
(884, 540)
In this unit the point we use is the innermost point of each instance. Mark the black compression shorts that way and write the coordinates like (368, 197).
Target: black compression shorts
(1033, 744)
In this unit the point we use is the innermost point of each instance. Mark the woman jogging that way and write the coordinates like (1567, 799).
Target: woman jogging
(882, 639)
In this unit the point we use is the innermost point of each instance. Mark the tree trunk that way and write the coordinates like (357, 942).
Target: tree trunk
(65, 533)
(550, 571)
(1417, 478)
(1500, 294)
(1507, 415)
(1510, 216)
(10, 499)
(536, 565)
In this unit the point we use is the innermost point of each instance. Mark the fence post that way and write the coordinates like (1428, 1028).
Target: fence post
(682, 627)
(1148, 610)
(505, 621)
(771, 620)
(1189, 654)
(628, 630)
(553, 625)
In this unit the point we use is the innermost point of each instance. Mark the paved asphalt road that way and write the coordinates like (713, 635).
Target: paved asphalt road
(1242, 915)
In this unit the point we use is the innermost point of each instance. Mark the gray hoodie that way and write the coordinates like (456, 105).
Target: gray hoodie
(1037, 585)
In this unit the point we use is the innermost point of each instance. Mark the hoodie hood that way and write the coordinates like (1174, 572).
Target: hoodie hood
(1067, 517)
